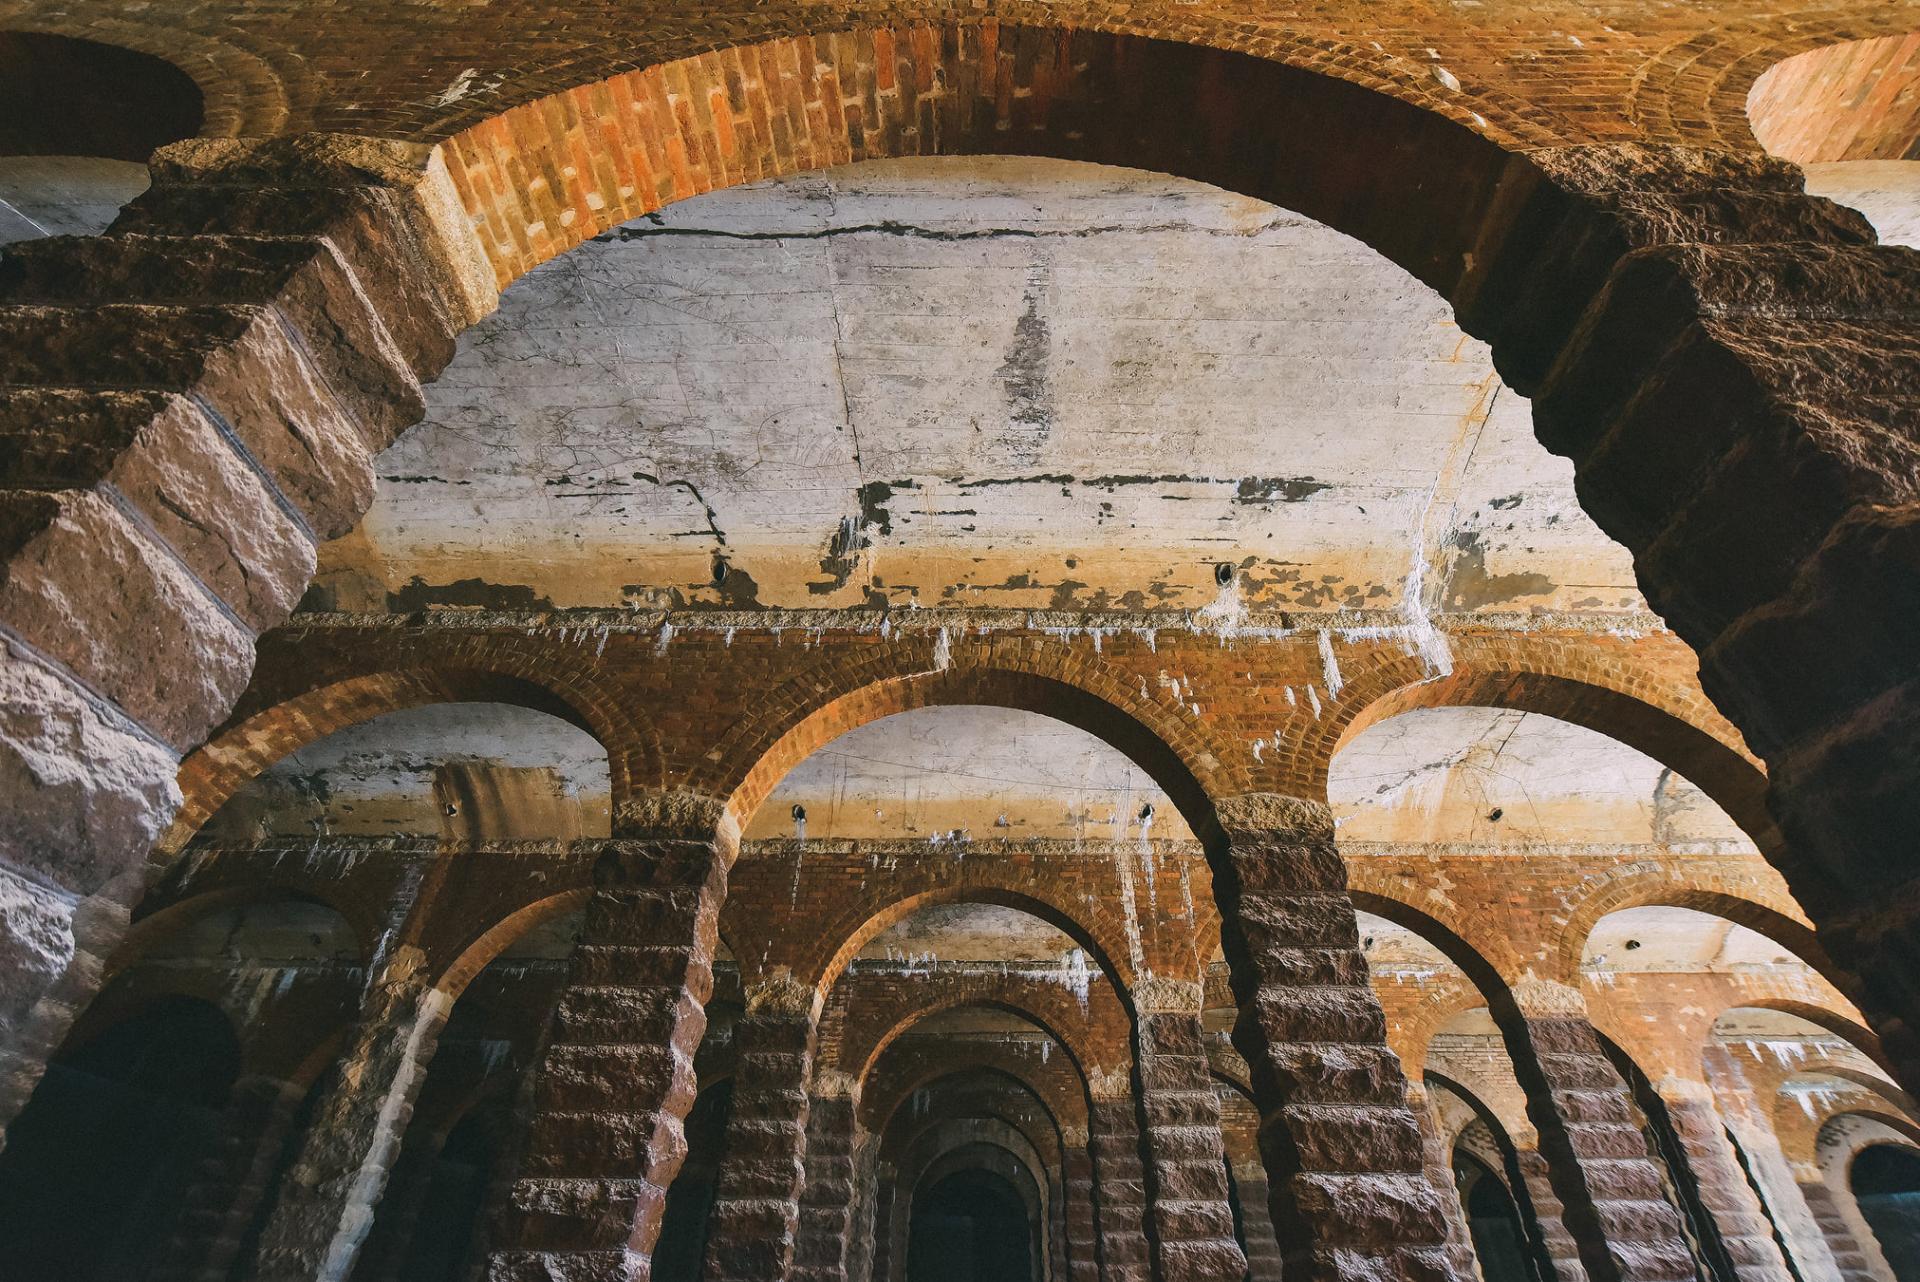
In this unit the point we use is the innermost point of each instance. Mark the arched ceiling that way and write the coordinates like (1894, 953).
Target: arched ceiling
(973, 382)
(1500, 777)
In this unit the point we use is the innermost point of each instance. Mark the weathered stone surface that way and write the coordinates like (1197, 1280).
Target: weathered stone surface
(240, 360)
(85, 586)
(303, 278)
(162, 455)
(86, 796)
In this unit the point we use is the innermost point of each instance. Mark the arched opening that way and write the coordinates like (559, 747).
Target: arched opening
(1886, 1182)
(78, 120)
(1499, 1240)
(456, 771)
(94, 1167)
(1849, 115)
(681, 1249)
(971, 1226)
(446, 1242)
(1503, 777)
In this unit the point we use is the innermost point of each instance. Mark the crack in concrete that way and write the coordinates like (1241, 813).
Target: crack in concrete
(915, 231)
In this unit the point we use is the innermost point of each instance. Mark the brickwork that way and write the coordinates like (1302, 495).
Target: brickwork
(193, 401)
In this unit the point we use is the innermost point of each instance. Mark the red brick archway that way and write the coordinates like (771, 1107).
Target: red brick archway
(1629, 704)
(542, 177)
(210, 777)
(819, 706)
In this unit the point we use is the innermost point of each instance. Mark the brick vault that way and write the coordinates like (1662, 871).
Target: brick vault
(1172, 642)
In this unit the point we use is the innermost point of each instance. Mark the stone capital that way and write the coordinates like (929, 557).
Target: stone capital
(677, 814)
(1546, 999)
(832, 1084)
(1273, 812)
(783, 997)
(1159, 995)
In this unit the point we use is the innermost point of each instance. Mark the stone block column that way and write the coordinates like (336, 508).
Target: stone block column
(1120, 1183)
(1562, 1252)
(1350, 1193)
(1729, 365)
(1724, 1190)
(1856, 1256)
(1189, 1219)
(1778, 1178)
(189, 405)
(828, 1195)
(616, 1082)
(1610, 1190)
(1077, 1212)
(219, 1204)
(327, 1199)
(756, 1209)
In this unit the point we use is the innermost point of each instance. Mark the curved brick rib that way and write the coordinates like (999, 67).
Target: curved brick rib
(1350, 1193)
(617, 1079)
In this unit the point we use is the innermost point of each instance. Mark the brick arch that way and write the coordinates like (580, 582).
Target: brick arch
(1696, 89)
(1066, 1108)
(1799, 1135)
(485, 945)
(1048, 1006)
(244, 91)
(1855, 1034)
(278, 884)
(543, 176)
(1411, 1035)
(1767, 911)
(857, 924)
(1378, 895)
(244, 749)
(820, 705)
(1628, 701)
(1482, 1111)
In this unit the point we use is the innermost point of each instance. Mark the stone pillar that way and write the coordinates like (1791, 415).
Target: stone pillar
(1562, 1252)
(1438, 1159)
(189, 405)
(1188, 1217)
(1256, 1219)
(617, 1079)
(1056, 1227)
(756, 1207)
(1350, 1193)
(1751, 1122)
(217, 1207)
(1707, 343)
(827, 1198)
(1745, 1228)
(1120, 1181)
(1077, 1211)
(1856, 1256)
(867, 1217)
(326, 1201)
(1611, 1195)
